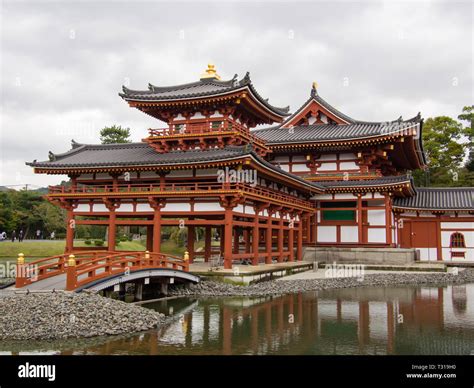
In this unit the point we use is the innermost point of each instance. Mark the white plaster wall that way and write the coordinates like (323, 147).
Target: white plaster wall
(429, 254)
(376, 217)
(300, 167)
(207, 206)
(99, 207)
(346, 156)
(378, 195)
(348, 166)
(298, 158)
(376, 235)
(174, 207)
(238, 209)
(125, 207)
(345, 196)
(249, 210)
(323, 197)
(83, 207)
(144, 207)
(349, 234)
(327, 167)
(328, 157)
(285, 167)
(282, 159)
(327, 234)
(457, 225)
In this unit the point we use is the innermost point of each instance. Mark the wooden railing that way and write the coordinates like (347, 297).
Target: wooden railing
(198, 128)
(120, 263)
(180, 187)
(28, 273)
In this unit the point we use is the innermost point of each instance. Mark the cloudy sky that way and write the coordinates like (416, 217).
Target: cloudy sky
(63, 63)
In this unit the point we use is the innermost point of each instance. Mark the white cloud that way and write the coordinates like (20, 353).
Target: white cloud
(64, 63)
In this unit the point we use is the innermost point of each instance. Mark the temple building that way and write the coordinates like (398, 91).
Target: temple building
(316, 177)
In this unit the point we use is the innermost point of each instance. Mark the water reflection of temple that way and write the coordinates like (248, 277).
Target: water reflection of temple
(403, 320)
(352, 321)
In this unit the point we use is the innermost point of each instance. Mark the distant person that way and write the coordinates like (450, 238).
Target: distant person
(38, 234)
(13, 236)
(52, 235)
(21, 236)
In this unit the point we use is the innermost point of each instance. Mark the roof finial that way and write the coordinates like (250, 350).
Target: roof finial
(210, 72)
(314, 90)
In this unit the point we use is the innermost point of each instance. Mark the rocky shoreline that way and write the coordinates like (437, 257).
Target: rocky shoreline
(62, 315)
(210, 288)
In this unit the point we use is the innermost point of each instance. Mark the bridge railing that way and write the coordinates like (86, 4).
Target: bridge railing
(33, 271)
(119, 263)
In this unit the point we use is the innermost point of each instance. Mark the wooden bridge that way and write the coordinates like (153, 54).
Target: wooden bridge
(99, 270)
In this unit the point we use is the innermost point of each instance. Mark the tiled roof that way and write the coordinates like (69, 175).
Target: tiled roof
(439, 198)
(140, 154)
(382, 181)
(330, 132)
(205, 87)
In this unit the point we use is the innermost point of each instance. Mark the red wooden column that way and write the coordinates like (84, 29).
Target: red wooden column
(255, 239)
(228, 226)
(388, 219)
(190, 246)
(70, 226)
(291, 242)
(112, 229)
(207, 243)
(280, 238)
(268, 238)
(299, 247)
(157, 230)
(359, 218)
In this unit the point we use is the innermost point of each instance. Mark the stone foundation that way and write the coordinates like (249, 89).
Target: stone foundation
(391, 256)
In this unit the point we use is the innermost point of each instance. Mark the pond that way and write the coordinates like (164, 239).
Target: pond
(378, 321)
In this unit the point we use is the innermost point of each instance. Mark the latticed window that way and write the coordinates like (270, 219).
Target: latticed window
(457, 240)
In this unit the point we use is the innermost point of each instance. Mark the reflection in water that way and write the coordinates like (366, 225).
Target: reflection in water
(396, 320)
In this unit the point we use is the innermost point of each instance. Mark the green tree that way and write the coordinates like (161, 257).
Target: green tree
(53, 217)
(468, 116)
(115, 134)
(445, 151)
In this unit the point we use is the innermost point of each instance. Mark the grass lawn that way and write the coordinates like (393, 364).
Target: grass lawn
(33, 249)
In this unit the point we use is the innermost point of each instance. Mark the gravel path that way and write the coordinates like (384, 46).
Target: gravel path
(210, 288)
(63, 315)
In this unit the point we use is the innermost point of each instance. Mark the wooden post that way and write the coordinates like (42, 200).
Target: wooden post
(291, 242)
(268, 238)
(388, 220)
(208, 242)
(112, 230)
(71, 279)
(69, 231)
(157, 231)
(299, 248)
(255, 240)
(228, 218)
(280, 238)
(359, 218)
